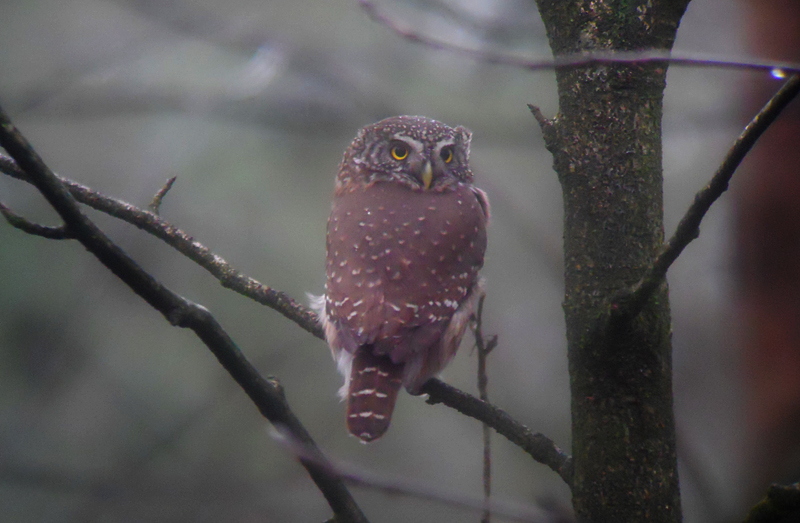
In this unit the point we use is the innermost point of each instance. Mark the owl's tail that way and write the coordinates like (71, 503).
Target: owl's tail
(374, 384)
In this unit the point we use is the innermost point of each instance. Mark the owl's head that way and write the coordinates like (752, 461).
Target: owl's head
(415, 151)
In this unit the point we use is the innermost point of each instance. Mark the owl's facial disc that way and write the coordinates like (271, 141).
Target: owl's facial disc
(424, 162)
(414, 158)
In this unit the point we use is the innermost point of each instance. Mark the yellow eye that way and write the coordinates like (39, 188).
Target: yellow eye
(399, 152)
(447, 154)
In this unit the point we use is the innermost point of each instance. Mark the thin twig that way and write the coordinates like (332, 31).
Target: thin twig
(186, 245)
(179, 312)
(688, 229)
(58, 232)
(484, 348)
(155, 205)
(539, 447)
(778, 69)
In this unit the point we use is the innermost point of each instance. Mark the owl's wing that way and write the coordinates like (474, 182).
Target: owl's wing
(400, 263)
(483, 201)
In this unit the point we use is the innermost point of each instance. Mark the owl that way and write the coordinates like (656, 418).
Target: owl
(406, 238)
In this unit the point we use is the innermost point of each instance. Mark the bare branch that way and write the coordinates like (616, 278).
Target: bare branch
(179, 312)
(689, 227)
(59, 232)
(778, 69)
(186, 245)
(155, 205)
(540, 447)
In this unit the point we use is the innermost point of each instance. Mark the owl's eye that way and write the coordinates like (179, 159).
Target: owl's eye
(399, 152)
(447, 154)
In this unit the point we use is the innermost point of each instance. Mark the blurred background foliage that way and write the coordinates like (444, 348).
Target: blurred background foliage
(109, 414)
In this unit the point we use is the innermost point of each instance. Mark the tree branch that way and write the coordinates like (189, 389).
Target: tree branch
(689, 227)
(267, 395)
(777, 69)
(538, 446)
(59, 232)
(186, 245)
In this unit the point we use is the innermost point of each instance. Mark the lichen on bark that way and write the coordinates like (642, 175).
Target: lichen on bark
(607, 155)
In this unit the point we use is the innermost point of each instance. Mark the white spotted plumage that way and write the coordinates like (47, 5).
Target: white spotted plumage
(406, 224)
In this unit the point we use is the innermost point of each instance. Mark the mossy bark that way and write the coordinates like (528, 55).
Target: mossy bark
(606, 144)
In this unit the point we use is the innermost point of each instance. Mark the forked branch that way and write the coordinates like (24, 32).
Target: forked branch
(688, 229)
(179, 312)
(186, 245)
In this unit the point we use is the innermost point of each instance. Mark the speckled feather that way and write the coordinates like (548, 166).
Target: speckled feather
(394, 268)
(402, 265)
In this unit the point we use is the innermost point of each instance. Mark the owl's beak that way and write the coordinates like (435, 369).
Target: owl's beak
(427, 175)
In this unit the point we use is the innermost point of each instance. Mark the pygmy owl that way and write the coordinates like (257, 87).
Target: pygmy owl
(406, 238)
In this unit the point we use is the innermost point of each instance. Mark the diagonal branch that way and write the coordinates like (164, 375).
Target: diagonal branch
(267, 395)
(689, 227)
(538, 446)
(186, 245)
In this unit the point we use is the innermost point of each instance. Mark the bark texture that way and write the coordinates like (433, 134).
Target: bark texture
(606, 144)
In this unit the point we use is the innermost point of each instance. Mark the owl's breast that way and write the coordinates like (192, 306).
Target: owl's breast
(398, 257)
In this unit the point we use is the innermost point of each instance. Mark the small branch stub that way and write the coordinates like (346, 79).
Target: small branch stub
(155, 205)
(547, 126)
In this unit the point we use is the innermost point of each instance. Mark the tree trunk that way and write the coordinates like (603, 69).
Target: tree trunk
(606, 144)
